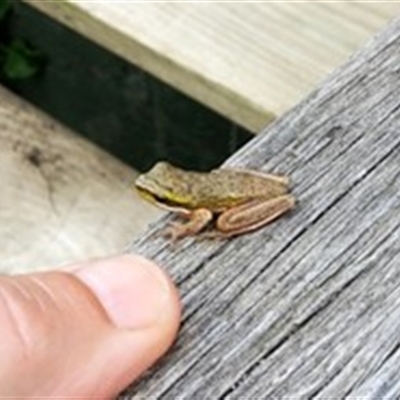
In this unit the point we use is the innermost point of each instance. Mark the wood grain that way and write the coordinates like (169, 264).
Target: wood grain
(310, 306)
(248, 61)
(62, 198)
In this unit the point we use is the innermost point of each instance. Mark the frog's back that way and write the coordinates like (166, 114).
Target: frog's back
(224, 188)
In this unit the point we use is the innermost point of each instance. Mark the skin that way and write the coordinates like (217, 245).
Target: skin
(241, 200)
(86, 331)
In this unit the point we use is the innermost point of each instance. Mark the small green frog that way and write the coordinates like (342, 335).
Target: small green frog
(241, 200)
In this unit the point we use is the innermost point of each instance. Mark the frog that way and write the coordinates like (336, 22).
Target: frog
(238, 200)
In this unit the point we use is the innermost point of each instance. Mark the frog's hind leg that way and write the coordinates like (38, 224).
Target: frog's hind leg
(198, 220)
(251, 216)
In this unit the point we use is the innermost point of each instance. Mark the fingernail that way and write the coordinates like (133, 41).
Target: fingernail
(133, 291)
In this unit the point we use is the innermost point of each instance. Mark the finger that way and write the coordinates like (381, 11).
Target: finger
(89, 332)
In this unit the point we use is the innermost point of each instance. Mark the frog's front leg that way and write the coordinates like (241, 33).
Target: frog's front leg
(252, 215)
(198, 219)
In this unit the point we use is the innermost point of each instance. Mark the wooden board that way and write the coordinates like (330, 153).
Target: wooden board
(308, 307)
(62, 198)
(249, 61)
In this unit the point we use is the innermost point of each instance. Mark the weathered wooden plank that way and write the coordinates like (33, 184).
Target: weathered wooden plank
(249, 61)
(310, 306)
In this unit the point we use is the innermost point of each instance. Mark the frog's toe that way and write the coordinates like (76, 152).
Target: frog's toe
(174, 232)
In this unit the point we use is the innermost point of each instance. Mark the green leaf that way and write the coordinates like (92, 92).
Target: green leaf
(5, 6)
(21, 61)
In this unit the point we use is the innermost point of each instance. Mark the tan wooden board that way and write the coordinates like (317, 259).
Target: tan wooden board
(62, 198)
(248, 60)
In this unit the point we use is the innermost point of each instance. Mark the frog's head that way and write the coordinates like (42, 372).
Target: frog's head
(165, 185)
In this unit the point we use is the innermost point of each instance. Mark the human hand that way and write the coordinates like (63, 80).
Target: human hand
(85, 333)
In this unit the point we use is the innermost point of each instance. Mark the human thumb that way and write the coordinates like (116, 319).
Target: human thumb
(87, 332)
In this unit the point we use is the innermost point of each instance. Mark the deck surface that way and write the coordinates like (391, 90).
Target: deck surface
(250, 62)
(308, 307)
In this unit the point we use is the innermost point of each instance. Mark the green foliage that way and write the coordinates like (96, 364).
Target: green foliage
(18, 59)
(5, 7)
